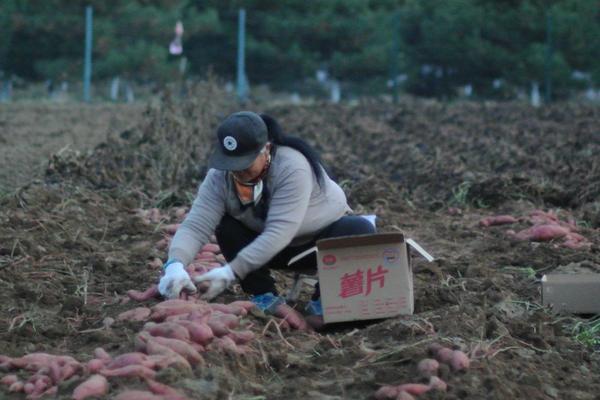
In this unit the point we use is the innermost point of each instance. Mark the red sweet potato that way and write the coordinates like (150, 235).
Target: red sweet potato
(402, 395)
(228, 309)
(170, 229)
(542, 233)
(136, 314)
(218, 328)
(428, 367)
(241, 337)
(211, 248)
(436, 383)
(128, 359)
(246, 304)
(163, 357)
(199, 332)
(168, 330)
(167, 308)
(292, 317)
(226, 344)
(386, 392)
(444, 355)
(150, 293)
(498, 220)
(17, 386)
(164, 390)
(229, 320)
(130, 371)
(95, 385)
(95, 365)
(137, 395)
(178, 346)
(100, 353)
(9, 379)
(460, 361)
(414, 388)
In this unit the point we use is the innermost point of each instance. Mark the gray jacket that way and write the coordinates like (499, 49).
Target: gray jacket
(298, 208)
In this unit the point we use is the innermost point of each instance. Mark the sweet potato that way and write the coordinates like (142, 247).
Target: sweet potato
(226, 344)
(206, 256)
(17, 386)
(171, 361)
(95, 385)
(241, 337)
(292, 317)
(460, 361)
(402, 395)
(246, 304)
(229, 309)
(130, 371)
(170, 229)
(436, 383)
(164, 390)
(129, 359)
(498, 220)
(94, 365)
(229, 320)
(163, 244)
(9, 379)
(199, 332)
(100, 353)
(178, 346)
(386, 392)
(137, 395)
(162, 356)
(136, 314)
(428, 367)
(444, 355)
(218, 328)
(414, 388)
(168, 308)
(211, 248)
(150, 293)
(542, 233)
(168, 330)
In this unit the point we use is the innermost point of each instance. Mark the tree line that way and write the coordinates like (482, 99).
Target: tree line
(425, 47)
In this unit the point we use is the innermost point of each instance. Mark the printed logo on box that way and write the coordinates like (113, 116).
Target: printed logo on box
(329, 259)
(391, 256)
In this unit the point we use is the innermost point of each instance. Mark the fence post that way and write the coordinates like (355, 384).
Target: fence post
(548, 63)
(394, 55)
(242, 83)
(87, 67)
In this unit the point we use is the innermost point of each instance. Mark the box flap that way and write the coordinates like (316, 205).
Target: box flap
(360, 240)
(577, 293)
(414, 245)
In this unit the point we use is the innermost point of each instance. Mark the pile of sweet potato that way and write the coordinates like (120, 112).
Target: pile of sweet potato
(177, 334)
(428, 370)
(545, 227)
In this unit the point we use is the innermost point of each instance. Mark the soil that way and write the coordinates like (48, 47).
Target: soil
(72, 245)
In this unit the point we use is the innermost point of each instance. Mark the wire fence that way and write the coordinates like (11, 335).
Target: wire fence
(134, 56)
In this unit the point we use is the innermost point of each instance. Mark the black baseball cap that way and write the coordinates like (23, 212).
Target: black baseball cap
(241, 137)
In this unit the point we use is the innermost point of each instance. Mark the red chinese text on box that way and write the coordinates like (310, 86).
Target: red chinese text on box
(352, 284)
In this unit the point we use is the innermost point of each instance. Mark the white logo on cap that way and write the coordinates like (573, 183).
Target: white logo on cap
(230, 143)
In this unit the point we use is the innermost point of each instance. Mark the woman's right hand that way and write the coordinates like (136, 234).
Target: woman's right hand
(174, 280)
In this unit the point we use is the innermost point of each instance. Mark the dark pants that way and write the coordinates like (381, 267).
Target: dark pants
(233, 236)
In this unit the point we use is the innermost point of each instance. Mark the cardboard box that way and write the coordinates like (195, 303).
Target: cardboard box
(576, 293)
(366, 276)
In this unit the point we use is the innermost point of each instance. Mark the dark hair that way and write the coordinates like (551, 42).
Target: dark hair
(277, 137)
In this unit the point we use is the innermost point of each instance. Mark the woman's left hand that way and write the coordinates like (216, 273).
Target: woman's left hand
(219, 279)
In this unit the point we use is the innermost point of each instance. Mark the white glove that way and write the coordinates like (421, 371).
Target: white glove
(174, 281)
(219, 278)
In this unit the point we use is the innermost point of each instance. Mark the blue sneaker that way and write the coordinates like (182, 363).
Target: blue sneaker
(314, 307)
(267, 302)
